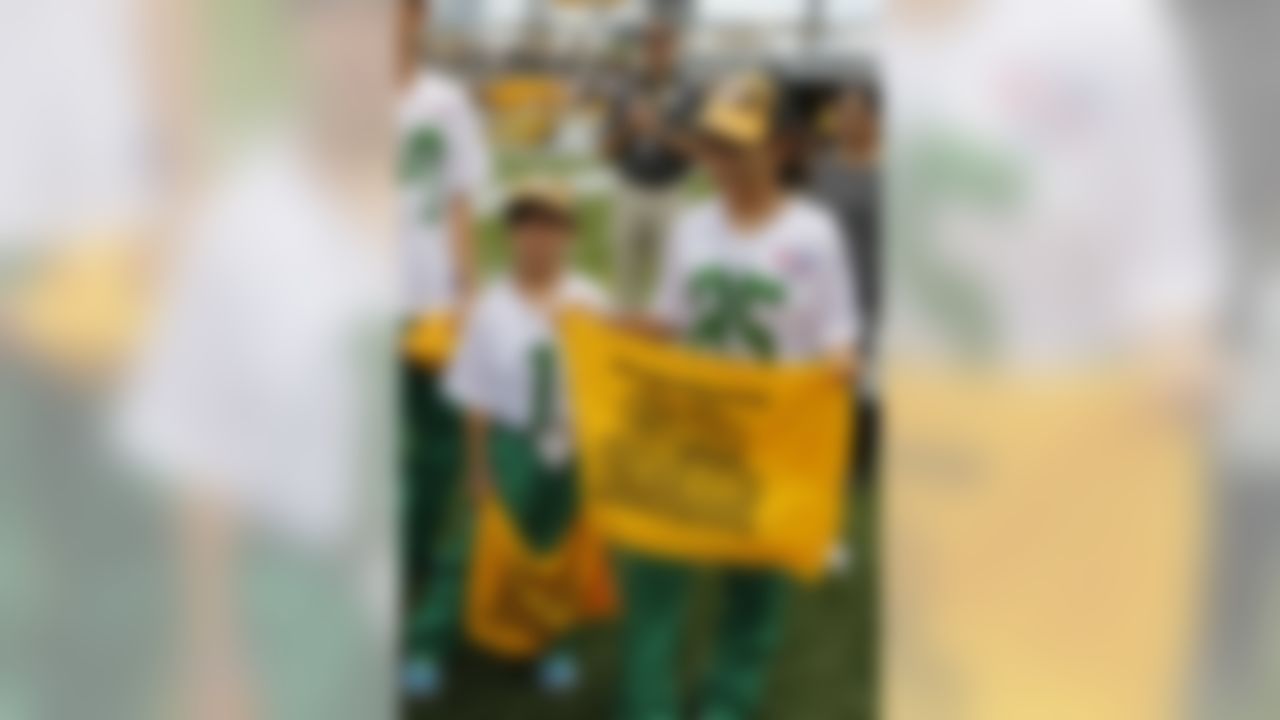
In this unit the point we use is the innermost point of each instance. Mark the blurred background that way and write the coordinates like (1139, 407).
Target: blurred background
(546, 74)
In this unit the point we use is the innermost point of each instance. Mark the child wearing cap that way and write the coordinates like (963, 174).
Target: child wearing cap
(505, 378)
(755, 273)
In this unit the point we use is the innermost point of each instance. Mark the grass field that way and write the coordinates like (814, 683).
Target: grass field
(826, 670)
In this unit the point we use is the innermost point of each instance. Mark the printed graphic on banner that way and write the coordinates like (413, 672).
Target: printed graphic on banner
(707, 460)
(519, 601)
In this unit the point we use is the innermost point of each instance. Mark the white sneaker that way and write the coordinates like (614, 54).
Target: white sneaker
(840, 560)
(423, 679)
(558, 674)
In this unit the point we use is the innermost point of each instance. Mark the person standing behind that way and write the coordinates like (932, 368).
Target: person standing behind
(643, 143)
(846, 177)
(444, 166)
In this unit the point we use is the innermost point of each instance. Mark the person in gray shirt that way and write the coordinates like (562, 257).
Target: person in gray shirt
(845, 175)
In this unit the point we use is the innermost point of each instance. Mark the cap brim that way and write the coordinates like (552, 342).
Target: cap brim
(731, 125)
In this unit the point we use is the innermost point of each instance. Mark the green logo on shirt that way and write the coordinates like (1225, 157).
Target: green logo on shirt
(421, 167)
(727, 307)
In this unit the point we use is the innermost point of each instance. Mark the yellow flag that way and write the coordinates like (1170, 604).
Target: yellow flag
(431, 340)
(707, 460)
(1043, 543)
(87, 307)
(519, 601)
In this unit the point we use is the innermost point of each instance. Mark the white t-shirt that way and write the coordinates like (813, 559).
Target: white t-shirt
(263, 376)
(443, 155)
(1050, 181)
(779, 291)
(74, 134)
(506, 366)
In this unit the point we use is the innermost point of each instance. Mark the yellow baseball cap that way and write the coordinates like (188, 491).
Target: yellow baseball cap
(741, 109)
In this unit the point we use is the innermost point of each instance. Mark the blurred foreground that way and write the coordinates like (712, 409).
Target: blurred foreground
(1079, 503)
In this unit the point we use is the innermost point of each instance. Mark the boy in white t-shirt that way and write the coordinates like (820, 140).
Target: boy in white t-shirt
(757, 273)
(505, 377)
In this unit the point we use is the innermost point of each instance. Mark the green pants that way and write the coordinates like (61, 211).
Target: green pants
(747, 633)
(431, 464)
(541, 501)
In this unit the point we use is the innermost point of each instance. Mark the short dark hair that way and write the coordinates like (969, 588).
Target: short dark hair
(524, 212)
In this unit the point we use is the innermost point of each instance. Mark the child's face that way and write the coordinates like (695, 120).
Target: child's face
(541, 245)
(735, 168)
(855, 118)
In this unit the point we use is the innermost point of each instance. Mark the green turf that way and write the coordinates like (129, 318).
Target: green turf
(826, 670)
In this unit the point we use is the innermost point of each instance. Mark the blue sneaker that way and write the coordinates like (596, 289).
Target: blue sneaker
(558, 674)
(423, 679)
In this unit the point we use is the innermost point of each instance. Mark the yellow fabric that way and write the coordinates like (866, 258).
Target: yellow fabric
(740, 109)
(520, 601)
(1043, 546)
(526, 107)
(432, 339)
(707, 460)
(88, 305)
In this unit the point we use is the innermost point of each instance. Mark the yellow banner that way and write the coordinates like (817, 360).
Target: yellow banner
(1044, 540)
(519, 601)
(707, 460)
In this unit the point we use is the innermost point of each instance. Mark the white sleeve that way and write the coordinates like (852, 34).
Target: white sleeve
(839, 326)
(468, 381)
(469, 162)
(1145, 145)
(596, 299)
(668, 303)
(1175, 238)
(182, 412)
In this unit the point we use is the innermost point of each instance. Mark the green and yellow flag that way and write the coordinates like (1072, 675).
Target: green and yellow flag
(707, 460)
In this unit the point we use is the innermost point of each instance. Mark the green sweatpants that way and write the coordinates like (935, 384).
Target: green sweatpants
(542, 502)
(430, 467)
(747, 634)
